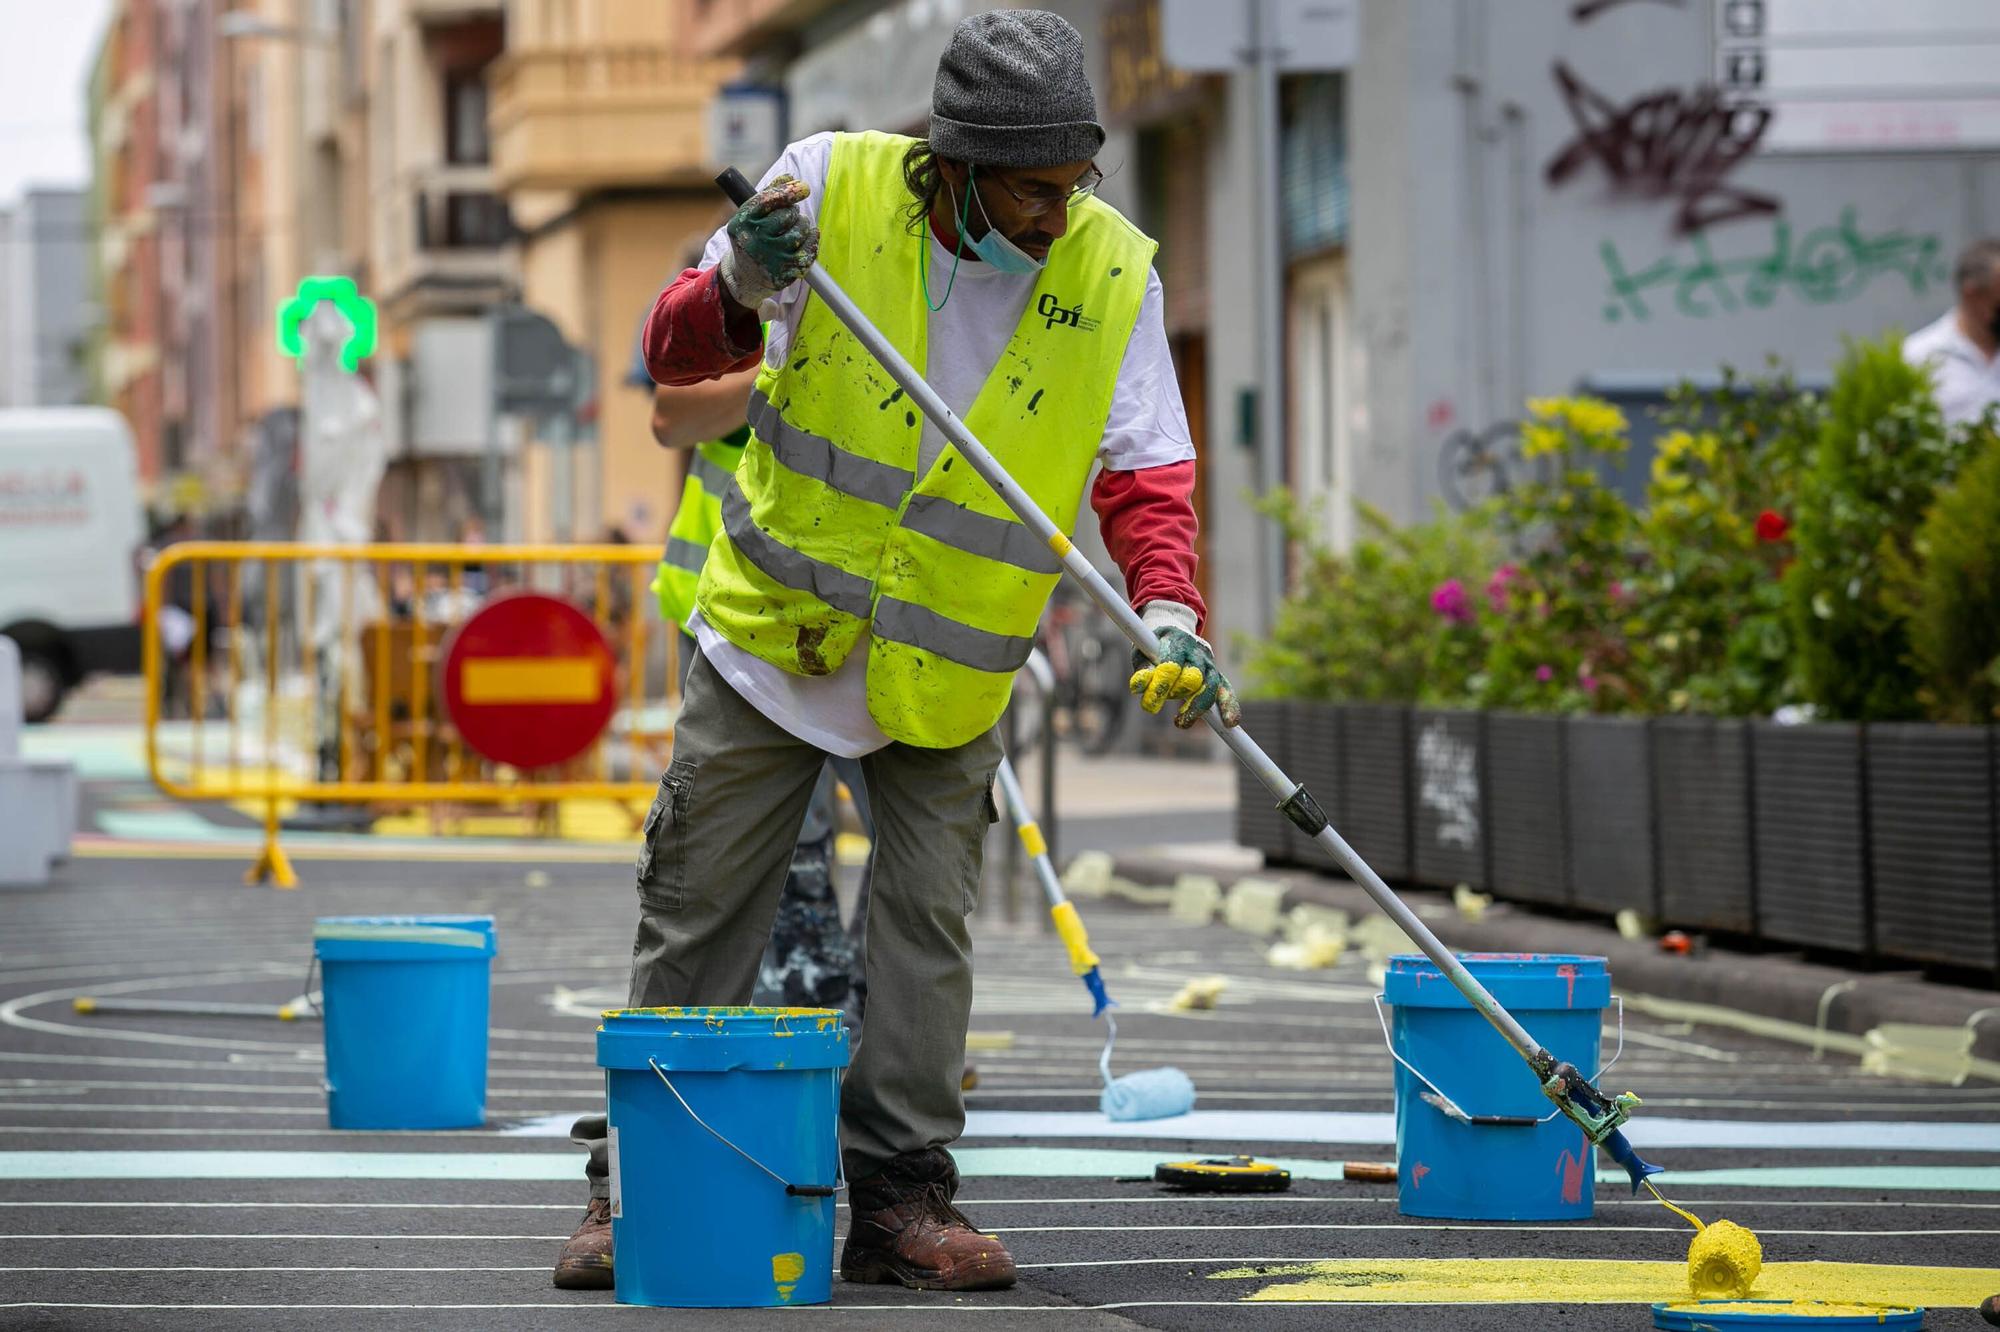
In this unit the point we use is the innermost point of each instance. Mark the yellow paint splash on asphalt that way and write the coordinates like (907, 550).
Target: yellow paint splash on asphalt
(1601, 1281)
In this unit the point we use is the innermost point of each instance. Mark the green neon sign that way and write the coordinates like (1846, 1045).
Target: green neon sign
(346, 298)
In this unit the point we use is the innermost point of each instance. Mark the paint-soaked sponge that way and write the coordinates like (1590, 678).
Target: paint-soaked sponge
(1724, 1260)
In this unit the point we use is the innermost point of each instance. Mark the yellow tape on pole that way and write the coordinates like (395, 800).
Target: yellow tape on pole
(1070, 926)
(1031, 838)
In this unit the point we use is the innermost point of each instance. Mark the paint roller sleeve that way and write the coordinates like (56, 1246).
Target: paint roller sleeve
(1154, 1093)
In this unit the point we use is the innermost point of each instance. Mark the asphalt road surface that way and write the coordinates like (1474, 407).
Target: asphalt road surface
(106, 1222)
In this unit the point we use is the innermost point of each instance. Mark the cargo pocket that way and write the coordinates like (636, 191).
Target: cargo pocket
(662, 870)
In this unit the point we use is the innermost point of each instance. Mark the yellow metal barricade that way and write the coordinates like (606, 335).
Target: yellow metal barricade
(314, 676)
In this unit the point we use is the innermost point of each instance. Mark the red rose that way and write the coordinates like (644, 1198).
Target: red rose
(1771, 526)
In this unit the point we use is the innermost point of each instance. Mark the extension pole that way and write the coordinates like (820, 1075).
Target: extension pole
(1596, 1114)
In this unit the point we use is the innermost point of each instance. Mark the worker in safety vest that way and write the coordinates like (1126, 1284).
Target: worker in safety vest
(870, 596)
(813, 960)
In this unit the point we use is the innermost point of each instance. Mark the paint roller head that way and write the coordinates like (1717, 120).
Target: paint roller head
(1155, 1093)
(1724, 1260)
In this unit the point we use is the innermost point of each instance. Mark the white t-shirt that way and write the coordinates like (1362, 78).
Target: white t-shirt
(1965, 379)
(1147, 427)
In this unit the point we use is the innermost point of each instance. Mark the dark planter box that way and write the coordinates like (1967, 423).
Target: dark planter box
(1259, 825)
(1375, 786)
(1930, 840)
(1525, 841)
(1608, 790)
(1811, 835)
(1315, 747)
(1702, 817)
(1449, 815)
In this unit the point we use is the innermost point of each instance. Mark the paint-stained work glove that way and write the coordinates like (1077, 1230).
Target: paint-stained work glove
(1186, 670)
(771, 243)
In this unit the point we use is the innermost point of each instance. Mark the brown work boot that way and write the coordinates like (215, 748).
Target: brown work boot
(902, 1227)
(585, 1262)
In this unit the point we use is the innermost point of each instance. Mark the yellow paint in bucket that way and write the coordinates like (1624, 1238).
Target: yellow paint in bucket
(1725, 1258)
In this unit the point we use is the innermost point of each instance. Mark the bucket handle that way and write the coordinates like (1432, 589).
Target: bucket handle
(1451, 1108)
(791, 1190)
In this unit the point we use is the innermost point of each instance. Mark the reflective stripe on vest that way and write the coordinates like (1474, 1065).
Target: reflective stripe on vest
(838, 588)
(901, 621)
(824, 461)
(688, 555)
(904, 622)
(713, 479)
(696, 521)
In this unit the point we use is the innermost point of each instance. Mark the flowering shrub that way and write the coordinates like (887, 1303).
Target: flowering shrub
(1714, 605)
(1783, 554)
(1389, 621)
(1566, 604)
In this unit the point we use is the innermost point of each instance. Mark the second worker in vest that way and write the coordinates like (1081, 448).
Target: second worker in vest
(870, 596)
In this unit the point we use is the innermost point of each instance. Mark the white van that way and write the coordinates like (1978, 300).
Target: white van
(70, 528)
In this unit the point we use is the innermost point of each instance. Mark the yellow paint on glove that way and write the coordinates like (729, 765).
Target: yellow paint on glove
(1163, 681)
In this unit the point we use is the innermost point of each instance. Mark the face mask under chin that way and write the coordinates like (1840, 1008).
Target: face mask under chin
(1000, 253)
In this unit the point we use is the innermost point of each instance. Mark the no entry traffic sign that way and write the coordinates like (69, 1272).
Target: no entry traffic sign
(529, 681)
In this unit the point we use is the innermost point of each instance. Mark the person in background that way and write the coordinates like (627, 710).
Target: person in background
(1961, 348)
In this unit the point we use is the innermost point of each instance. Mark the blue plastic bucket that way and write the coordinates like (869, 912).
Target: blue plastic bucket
(405, 1001)
(724, 1153)
(1531, 1165)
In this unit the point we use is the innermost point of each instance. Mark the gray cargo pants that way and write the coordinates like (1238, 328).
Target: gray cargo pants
(718, 842)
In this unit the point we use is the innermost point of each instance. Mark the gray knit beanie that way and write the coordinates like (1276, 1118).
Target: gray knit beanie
(1011, 91)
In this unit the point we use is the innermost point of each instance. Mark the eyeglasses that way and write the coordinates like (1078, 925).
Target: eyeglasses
(1035, 205)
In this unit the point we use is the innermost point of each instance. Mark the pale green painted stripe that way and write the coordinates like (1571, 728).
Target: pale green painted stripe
(292, 1165)
(973, 1162)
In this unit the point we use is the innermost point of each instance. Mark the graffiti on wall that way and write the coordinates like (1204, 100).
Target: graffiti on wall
(1448, 783)
(1586, 10)
(1668, 144)
(1827, 265)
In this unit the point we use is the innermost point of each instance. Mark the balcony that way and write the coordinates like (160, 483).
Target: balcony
(447, 230)
(428, 12)
(738, 27)
(598, 117)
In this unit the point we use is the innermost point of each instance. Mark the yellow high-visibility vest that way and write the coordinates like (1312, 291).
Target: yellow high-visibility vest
(695, 524)
(828, 529)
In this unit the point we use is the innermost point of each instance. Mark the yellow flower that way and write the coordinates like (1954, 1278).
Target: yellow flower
(1672, 445)
(1546, 409)
(1594, 416)
(1539, 441)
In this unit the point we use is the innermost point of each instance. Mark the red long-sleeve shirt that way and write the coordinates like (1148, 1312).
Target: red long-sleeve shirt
(1145, 516)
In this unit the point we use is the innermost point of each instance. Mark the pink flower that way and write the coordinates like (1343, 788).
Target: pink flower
(1496, 587)
(1588, 681)
(1545, 672)
(1617, 590)
(1449, 600)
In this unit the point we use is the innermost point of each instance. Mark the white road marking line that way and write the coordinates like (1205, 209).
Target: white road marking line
(1477, 1227)
(1204, 1200)
(538, 1267)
